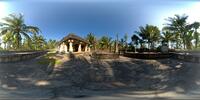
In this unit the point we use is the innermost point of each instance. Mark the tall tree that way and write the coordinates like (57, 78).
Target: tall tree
(178, 24)
(38, 42)
(92, 40)
(196, 26)
(167, 37)
(135, 39)
(149, 34)
(121, 43)
(105, 42)
(188, 38)
(27, 44)
(117, 43)
(125, 40)
(51, 44)
(8, 41)
(14, 24)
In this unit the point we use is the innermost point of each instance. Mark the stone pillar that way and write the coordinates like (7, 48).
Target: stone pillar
(61, 48)
(89, 49)
(58, 49)
(66, 48)
(70, 46)
(79, 47)
(116, 47)
(86, 47)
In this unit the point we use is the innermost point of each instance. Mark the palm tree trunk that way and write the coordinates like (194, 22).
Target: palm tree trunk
(94, 46)
(184, 42)
(18, 40)
(196, 38)
(5, 46)
(184, 46)
(167, 44)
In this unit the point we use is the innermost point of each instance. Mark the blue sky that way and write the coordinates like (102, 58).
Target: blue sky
(57, 18)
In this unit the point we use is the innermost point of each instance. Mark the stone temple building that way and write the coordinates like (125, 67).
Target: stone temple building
(73, 43)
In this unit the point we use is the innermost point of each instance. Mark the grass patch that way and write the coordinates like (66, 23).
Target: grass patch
(58, 62)
(49, 58)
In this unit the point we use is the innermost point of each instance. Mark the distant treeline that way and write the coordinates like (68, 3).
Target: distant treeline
(177, 33)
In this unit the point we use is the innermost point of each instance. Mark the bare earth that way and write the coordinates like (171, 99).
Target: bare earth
(83, 77)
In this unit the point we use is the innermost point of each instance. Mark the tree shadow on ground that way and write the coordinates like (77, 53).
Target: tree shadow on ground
(94, 76)
(82, 77)
(22, 78)
(183, 75)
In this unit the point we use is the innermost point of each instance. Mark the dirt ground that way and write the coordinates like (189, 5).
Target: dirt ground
(81, 76)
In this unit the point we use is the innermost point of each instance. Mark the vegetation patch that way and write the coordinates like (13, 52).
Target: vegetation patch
(49, 58)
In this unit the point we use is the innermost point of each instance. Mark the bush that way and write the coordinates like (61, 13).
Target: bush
(143, 50)
(158, 49)
(1, 49)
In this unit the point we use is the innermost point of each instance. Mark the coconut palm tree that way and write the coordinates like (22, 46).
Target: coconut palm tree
(196, 26)
(8, 41)
(27, 44)
(135, 39)
(125, 40)
(178, 25)
(38, 42)
(92, 40)
(189, 37)
(117, 43)
(105, 42)
(167, 37)
(51, 44)
(14, 24)
(122, 43)
(149, 34)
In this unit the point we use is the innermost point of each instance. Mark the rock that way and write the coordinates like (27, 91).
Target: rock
(178, 66)
(163, 67)
(179, 90)
(164, 49)
(99, 86)
(118, 84)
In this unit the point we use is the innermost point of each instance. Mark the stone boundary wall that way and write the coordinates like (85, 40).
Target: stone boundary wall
(187, 57)
(147, 55)
(181, 56)
(105, 55)
(19, 56)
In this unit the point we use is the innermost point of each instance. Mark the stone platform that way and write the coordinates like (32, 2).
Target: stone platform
(6, 57)
(189, 57)
(147, 55)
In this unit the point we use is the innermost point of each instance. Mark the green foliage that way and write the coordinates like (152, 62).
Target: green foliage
(51, 44)
(92, 40)
(184, 32)
(39, 43)
(16, 28)
(8, 41)
(1, 49)
(167, 36)
(49, 59)
(19, 36)
(135, 39)
(123, 43)
(149, 34)
(105, 42)
(177, 31)
(179, 25)
(196, 26)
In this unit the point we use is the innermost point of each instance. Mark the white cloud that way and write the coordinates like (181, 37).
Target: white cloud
(191, 9)
(3, 9)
